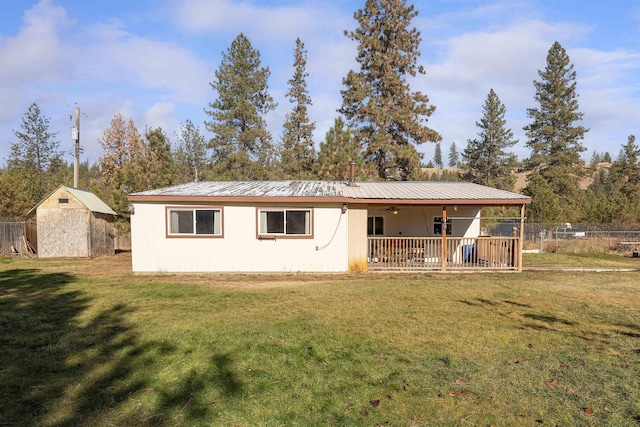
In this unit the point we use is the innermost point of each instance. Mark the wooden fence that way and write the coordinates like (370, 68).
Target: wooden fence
(11, 237)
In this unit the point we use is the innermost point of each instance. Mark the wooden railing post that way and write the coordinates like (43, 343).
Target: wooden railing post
(521, 239)
(443, 228)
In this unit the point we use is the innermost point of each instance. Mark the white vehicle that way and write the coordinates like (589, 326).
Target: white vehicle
(568, 232)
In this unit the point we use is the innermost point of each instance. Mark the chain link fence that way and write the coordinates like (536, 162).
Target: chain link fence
(565, 237)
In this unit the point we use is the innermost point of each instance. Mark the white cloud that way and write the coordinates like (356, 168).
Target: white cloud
(34, 56)
(160, 114)
(281, 23)
(35, 53)
(173, 71)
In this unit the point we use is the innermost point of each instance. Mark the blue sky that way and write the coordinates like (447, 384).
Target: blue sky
(152, 61)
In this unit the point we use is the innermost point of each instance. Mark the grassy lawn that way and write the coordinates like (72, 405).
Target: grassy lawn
(581, 260)
(85, 342)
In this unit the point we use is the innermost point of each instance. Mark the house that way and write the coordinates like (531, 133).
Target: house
(74, 223)
(319, 226)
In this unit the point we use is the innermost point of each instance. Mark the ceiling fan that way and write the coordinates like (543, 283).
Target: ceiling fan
(391, 209)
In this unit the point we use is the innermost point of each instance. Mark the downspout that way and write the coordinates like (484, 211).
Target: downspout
(444, 239)
(521, 242)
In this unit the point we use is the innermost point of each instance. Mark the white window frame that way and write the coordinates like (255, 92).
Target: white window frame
(261, 219)
(218, 228)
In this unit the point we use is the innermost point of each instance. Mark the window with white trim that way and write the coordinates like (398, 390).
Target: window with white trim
(195, 222)
(375, 226)
(284, 222)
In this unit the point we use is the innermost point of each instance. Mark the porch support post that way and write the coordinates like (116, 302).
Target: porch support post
(521, 238)
(443, 255)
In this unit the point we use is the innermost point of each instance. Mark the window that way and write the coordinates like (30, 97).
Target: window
(194, 222)
(286, 222)
(375, 226)
(437, 225)
(63, 200)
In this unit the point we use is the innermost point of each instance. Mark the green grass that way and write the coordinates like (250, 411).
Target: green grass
(581, 260)
(87, 343)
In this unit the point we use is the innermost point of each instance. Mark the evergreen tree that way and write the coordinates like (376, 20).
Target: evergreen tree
(624, 175)
(386, 116)
(160, 165)
(437, 156)
(121, 144)
(34, 154)
(298, 153)
(454, 157)
(242, 147)
(600, 203)
(606, 157)
(594, 162)
(15, 195)
(191, 153)
(124, 167)
(486, 160)
(336, 152)
(545, 205)
(554, 136)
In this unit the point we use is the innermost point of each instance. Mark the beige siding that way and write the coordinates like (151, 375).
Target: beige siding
(67, 228)
(53, 201)
(62, 232)
(102, 235)
(357, 251)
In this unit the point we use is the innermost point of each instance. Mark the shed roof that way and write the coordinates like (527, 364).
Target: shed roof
(87, 198)
(407, 192)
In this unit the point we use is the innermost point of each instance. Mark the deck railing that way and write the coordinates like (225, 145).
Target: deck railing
(426, 253)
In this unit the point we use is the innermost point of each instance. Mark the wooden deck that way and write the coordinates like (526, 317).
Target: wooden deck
(429, 253)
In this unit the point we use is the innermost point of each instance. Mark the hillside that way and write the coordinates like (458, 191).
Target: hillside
(521, 177)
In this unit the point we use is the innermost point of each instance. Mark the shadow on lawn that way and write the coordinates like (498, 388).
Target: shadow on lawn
(57, 369)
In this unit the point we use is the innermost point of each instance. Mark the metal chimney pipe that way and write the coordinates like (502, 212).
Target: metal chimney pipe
(352, 173)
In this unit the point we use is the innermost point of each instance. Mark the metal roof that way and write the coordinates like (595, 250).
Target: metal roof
(91, 201)
(370, 192)
(251, 189)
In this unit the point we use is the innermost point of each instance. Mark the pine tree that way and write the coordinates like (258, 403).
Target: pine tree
(336, 152)
(160, 166)
(386, 116)
(624, 174)
(15, 195)
(545, 205)
(190, 153)
(242, 147)
(606, 157)
(121, 144)
(437, 156)
(454, 157)
(298, 154)
(33, 155)
(485, 159)
(554, 137)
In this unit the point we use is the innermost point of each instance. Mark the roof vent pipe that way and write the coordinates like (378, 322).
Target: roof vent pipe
(352, 174)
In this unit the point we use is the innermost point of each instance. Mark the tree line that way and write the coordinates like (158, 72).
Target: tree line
(379, 125)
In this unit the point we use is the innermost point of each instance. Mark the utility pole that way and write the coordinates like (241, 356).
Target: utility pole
(75, 135)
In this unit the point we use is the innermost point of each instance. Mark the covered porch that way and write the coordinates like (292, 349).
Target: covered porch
(442, 238)
(449, 254)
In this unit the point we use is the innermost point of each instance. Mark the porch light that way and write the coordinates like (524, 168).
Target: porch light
(394, 211)
(344, 208)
